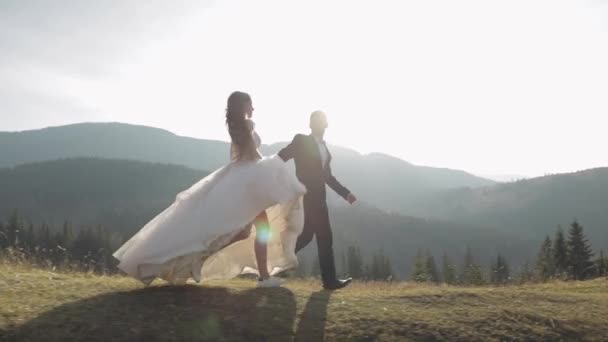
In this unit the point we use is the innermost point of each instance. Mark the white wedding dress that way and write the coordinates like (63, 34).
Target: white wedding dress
(192, 237)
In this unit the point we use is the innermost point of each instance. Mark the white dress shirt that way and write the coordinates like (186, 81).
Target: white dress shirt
(323, 151)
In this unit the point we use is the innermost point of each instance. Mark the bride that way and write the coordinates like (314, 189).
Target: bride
(207, 233)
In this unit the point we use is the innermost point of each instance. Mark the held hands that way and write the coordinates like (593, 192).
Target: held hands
(351, 198)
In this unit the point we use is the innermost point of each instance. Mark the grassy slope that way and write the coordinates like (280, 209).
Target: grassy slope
(37, 305)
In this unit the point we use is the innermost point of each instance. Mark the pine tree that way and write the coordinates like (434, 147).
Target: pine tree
(375, 267)
(30, 238)
(366, 272)
(12, 229)
(525, 274)
(545, 265)
(468, 261)
(419, 271)
(471, 271)
(605, 265)
(476, 275)
(3, 236)
(431, 266)
(381, 266)
(449, 271)
(66, 235)
(560, 253)
(354, 262)
(385, 271)
(103, 251)
(602, 265)
(579, 253)
(44, 236)
(500, 271)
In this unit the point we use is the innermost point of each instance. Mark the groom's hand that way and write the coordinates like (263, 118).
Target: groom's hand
(351, 198)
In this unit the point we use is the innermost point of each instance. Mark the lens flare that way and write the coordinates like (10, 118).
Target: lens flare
(263, 235)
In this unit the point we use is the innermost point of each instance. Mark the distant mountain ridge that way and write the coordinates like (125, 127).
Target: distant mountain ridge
(531, 207)
(504, 178)
(110, 140)
(387, 182)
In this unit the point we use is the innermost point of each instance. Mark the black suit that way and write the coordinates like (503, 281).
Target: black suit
(314, 175)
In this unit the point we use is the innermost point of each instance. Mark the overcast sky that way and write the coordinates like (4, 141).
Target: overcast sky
(491, 87)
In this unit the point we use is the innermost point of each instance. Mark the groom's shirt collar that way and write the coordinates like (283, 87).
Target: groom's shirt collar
(317, 139)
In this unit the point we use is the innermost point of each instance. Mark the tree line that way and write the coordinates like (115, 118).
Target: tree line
(563, 257)
(90, 248)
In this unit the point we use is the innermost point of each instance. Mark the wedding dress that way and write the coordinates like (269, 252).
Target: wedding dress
(207, 233)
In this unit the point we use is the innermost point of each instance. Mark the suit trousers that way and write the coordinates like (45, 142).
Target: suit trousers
(316, 223)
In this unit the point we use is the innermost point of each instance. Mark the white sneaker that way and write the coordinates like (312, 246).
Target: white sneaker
(270, 282)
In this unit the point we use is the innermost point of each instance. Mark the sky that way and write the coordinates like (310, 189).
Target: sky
(490, 87)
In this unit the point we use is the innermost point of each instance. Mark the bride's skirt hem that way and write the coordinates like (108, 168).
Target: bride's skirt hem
(189, 239)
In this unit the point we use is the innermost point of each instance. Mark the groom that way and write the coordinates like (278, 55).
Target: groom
(313, 169)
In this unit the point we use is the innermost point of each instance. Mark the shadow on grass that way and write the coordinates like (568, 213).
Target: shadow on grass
(311, 326)
(179, 313)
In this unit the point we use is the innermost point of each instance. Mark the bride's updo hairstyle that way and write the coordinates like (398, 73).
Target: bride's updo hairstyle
(240, 133)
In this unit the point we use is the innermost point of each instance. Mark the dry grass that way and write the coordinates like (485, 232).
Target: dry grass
(37, 305)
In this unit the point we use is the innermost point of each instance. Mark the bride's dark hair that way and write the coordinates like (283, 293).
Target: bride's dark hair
(238, 128)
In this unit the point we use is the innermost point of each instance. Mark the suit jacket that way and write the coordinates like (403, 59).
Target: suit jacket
(309, 169)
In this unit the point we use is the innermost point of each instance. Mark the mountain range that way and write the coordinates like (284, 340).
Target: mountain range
(122, 195)
(445, 204)
(387, 182)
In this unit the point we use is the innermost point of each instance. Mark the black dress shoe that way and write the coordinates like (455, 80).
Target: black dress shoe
(338, 284)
